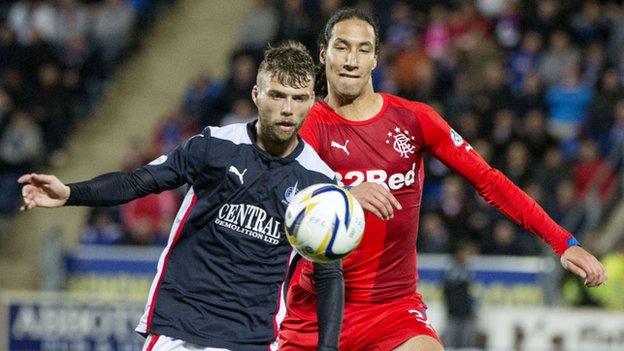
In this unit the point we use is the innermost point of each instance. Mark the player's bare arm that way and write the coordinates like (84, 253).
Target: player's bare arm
(42, 190)
(377, 199)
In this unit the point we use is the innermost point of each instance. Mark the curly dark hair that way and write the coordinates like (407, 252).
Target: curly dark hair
(290, 63)
(323, 40)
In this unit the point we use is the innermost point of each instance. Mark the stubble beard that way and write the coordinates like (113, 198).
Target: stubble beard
(274, 135)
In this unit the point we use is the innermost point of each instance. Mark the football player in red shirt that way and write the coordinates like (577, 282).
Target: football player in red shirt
(376, 142)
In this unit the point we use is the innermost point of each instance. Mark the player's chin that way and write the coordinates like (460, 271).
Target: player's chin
(282, 136)
(350, 91)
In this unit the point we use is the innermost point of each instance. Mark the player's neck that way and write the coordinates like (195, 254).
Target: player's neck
(359, 108)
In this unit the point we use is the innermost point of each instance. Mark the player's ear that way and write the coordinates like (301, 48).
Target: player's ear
(322, 55)
(375, 62)
(254, 94)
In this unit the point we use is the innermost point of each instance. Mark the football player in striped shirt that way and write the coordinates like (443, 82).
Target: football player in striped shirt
(220, 283)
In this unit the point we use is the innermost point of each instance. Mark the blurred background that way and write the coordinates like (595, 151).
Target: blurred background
(92, 86)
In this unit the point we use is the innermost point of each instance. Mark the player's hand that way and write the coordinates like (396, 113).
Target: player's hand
(42, 190)
(377, 199)
(580, 262)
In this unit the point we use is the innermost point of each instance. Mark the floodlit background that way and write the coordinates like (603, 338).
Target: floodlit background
(93, 86)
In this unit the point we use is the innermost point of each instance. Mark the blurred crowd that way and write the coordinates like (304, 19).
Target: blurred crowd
(534, 86)
(56, 58)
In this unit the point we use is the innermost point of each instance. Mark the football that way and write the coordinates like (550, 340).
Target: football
(324, 222)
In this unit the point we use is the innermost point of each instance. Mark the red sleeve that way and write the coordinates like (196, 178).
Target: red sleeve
(309, 131)
(449, 147)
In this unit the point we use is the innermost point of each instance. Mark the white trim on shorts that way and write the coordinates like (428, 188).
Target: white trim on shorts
(165, 343)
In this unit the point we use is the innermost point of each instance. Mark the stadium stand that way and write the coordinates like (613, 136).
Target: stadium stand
(539, 100)
(535, 86)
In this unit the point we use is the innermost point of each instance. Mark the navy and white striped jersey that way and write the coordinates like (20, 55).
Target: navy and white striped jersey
(220, 278)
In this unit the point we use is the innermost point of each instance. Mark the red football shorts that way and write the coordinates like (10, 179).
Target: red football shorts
(366, 326)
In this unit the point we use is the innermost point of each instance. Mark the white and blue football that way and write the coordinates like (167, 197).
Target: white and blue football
(324, 222)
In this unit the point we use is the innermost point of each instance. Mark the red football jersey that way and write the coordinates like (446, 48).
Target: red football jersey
(388, 149)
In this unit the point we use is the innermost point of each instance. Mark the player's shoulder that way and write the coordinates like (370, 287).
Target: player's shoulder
(414, 106)
(311, 161)
(235, 133)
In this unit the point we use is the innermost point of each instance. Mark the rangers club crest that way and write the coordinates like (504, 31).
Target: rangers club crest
(401, 142)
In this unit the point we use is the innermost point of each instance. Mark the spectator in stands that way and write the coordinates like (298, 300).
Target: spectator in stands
(21, 143)
(52, 107)
(460, 99)
(402, 26)
(525, 60)
(437, 37)
(494, 94)
(616, 133)
(589, 25)
(461, 323)
(175, 128)
(146, 220)
(201, 99)
(295, 23)
(101, 229)
(592, 173)
(534, 133)
(6, 106)
(552, 170)
(72, 20)
(504, 240)
(242, 112)
(433, 236)
(530, 96)
(502, 132)
(112, 28)
(21, 147)
(558, 57)
(594, 63)
(260, 26)
(453, 206)
(10, 50)
(568, 104)
(603, 107)
(565, 200)
(546, 19)
(32, 18)
(517, 163)
(508, 25)
(415, 71)
(241, 81)
(469, 125)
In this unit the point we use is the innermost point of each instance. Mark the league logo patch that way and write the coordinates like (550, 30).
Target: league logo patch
(290, 193)
(459, 141)
(402, 142)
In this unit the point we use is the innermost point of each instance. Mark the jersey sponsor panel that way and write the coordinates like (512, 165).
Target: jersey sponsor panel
(394, 181)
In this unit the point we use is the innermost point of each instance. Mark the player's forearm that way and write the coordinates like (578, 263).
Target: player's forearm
(112, 189)
(329, 283)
